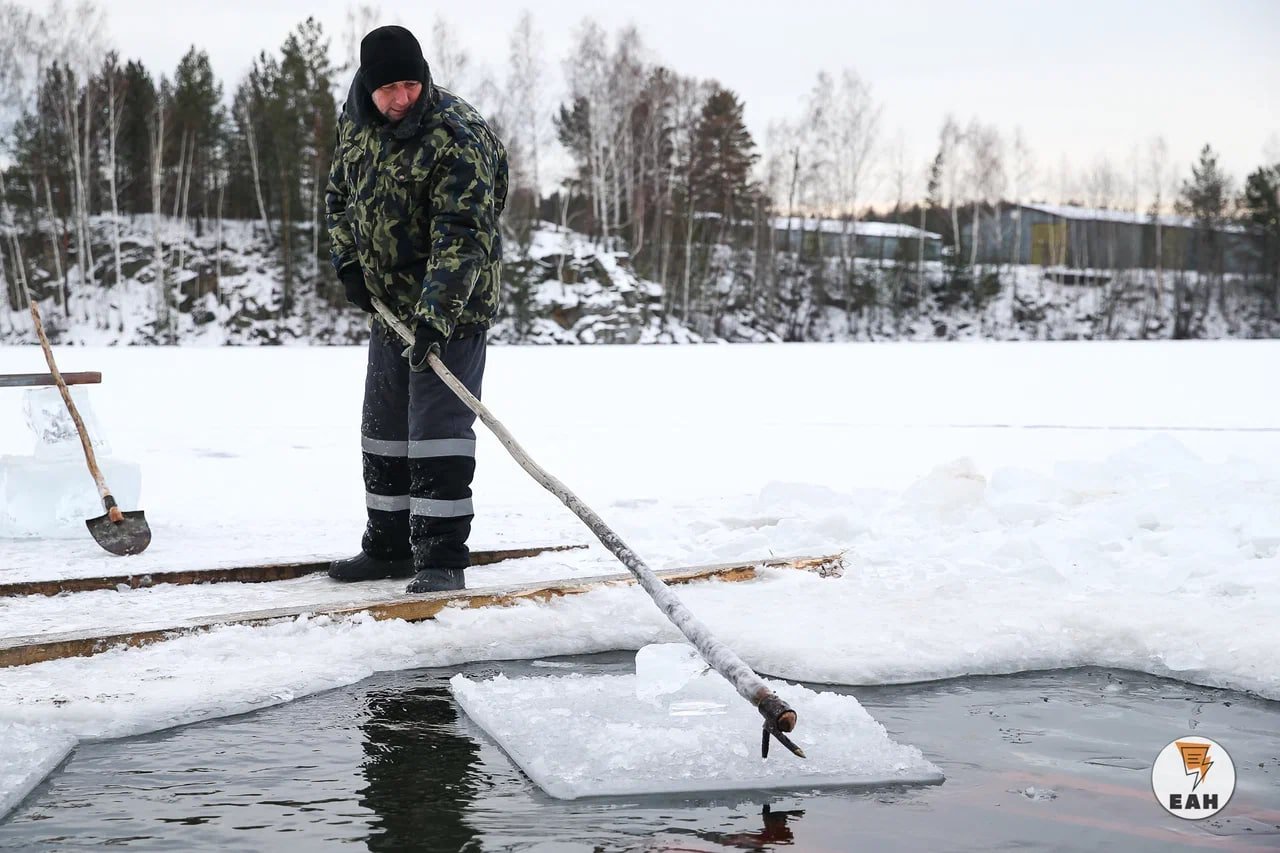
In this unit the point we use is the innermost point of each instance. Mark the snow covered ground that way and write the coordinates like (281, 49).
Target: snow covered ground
(1003, 507)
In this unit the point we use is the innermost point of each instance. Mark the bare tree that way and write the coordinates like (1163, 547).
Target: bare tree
(21, 63)
(949, 140)
(782, 171)
(251, 142)
(1104, 186)
(586, 75)
(19, 291)
(899, 173)
(76, 39)
(984, 175)
(1159, 180)
(607, 85)
(450, 63)
(157, 205)
(1022, 173)
(525, 85)
(857, 125)
(360, 19)
(115, 98)
(689, 97)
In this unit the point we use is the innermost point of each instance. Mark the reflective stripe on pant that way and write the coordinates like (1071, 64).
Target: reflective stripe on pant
(419, 454)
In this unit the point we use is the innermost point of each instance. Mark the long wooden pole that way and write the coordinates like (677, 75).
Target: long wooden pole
(113, 511)
(779, 717)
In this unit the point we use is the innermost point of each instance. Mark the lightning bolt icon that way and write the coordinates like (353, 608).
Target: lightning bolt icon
(1195, 760)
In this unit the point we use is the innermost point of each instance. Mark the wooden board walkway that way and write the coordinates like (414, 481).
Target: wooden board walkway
(19, 651)
(238, 574)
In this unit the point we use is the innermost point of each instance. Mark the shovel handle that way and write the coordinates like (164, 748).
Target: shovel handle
(107, 501)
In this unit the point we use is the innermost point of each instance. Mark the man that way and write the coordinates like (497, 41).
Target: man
(418, 184)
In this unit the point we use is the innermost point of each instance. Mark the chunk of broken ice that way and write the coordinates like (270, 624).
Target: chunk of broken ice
(50, 493)
(51, 498)
(56, 435)
(664, 668)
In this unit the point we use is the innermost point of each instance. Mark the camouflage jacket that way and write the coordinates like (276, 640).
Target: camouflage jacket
(416, 204)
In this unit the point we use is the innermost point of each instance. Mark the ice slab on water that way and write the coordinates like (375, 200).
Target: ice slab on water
(30, 754)
(588, 736)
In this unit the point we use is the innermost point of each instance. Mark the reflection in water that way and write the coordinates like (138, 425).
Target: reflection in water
(420, 773)
(776, 831)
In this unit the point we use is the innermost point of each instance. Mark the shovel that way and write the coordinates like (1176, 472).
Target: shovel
(121, 533)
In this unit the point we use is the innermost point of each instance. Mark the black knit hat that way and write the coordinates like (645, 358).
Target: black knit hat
(389, 55)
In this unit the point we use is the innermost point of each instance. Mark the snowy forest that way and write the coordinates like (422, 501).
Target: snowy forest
(147, 205)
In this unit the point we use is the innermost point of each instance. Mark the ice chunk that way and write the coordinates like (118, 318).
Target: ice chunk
(51, 498)
(55, 431)
(30, 754)
(665, 668)
(50, 493)
(1031, 792)
(584, 736)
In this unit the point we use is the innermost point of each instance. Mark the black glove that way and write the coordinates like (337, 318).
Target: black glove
(352, 279)
(426, 339)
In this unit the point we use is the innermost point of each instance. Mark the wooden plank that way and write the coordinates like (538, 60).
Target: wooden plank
(232, 574)
(35, 380)
(19, 651)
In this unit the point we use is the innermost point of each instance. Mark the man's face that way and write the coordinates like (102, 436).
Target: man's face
(394, 99)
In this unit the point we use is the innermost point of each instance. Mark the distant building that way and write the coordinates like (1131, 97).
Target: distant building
(885, 241)
(1070, 237)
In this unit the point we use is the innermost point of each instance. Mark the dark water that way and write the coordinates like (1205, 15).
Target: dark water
(387, 764)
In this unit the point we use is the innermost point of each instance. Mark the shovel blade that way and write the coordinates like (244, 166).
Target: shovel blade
(131, 535)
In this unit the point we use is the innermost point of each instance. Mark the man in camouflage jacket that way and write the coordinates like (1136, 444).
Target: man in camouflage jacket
(417, 187)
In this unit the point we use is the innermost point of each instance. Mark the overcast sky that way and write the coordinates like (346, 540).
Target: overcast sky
(1082, 78)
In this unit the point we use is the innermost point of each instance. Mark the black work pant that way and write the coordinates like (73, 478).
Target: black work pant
(419, 454)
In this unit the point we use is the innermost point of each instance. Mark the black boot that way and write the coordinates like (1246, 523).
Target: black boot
(362, 567)
(437, 580)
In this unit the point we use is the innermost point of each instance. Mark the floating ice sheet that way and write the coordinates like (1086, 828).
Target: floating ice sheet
(27, 755)
(587, 736)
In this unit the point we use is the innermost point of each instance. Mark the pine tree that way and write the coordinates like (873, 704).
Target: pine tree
(110, 98)
(134, 143)
(1261, 205)
(1204, 198)
(198, 128)
(573, 129)
(305, 120)
(283, 126)
(724, 154)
